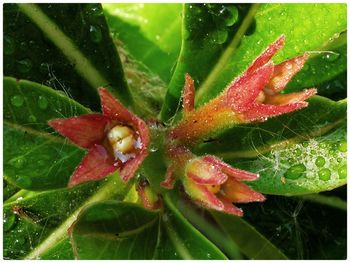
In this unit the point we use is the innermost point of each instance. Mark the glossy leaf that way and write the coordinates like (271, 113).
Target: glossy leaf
(251, 242)
(37, 224)
(73, 53)
(150, 32)
(33, 158)
(256, 28)
(295, 143)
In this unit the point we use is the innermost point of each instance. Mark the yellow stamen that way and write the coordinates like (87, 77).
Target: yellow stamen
(121, 139)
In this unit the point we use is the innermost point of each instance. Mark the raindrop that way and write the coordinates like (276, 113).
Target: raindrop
(95, 34)
(9, 45)
(9, 222)
(295, 171)
(232, 16)
(324, 174)
(43, 103)
(24, 65)
(94, 10)
(32, 118)
(320, 161)
(17, 100)
(331, 57)
(24, 181)
(17, 162)
(342, 147)
(342, 172)
(220, 36)
(20, 240)
(298, 152)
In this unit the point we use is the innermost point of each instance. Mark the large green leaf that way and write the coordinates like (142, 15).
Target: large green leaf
(67, 47)
(214, 65)
(299, 153)
(121, 230)
(33, 157)
(150, 32)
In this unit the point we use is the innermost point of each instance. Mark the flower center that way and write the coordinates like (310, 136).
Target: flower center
(122, 140)
(215, 188)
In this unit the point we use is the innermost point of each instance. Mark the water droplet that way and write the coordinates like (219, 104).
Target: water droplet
(31, 118)
(9, 45)
(219, 36)
(320, 161)
(20, 240)
(342, 147)
(44, 68)
(298, 152)
(23, 46)
(17, 162)
(43, 103)
(324, 174)
(24, 181)
(232, 17)
(9, 222)
(24, 65)
(342, 172)
(339, 160)
(295, 171)
(331, 57)
(95, 34)
(17, 100)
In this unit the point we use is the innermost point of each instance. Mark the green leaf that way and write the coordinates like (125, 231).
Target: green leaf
(251, 242)
(36, 223)
(150, 32)
(33, 158)
(288, 151)
(67, 47)
(219, 64)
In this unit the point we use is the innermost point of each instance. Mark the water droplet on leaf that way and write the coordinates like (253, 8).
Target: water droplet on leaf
(295, 171)
(32, 118)
(43, 103)
(342, 147)
(324, 174)
(331, 57)
(24, 65)
(24, 181)
(17, 162)
(17, 100)
(95, 34)
(320, 161)
(342, 172)
(9, 222)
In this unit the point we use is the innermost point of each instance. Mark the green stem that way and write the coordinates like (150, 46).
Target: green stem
(332, 201)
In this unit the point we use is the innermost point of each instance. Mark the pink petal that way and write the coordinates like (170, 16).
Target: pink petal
(202, 172)
(131, 166)
(201, 194)
(188, 94)
(281, 99)
(285, 71)
(237, 192)
(85, 130)
(113, 109)
(243, 92)
(229, 170)
(95, 165)
(266, 55)
(169, 181)
(229, 208)
(260, 112)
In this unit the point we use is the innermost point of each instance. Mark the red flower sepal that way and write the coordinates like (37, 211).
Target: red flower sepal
(115, 139)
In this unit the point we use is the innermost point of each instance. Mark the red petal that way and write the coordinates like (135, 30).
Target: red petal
(242, 93)
(266, 55)
(149, 200)
(85, 130)
(229, 208)
(237, 192)
(131, 166)
(260, 112)
(113, 109)
(201, 194)
(229, 170)
(95, 165)
(169, 181)
(203, 172)
(285, 71)
(188, 94)
(281, 99)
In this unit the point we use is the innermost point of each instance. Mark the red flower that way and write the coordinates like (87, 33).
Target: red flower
(116, 139)
(253, 96)
(217, 185)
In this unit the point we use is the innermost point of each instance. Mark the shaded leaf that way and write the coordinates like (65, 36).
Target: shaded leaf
(72, 52)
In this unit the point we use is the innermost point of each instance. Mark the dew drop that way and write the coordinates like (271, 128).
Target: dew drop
(43, 103)
(342, 172)
(31, 118)
(24, 65)
(17, 162)
(95, 34)
(9, 222)
(20, 240)
(24, 181)
(219, 36)
(17, 100)
(320, 161)
(342, 147)
(295, 171)
(232, 17)
(324, 174)
(44, 68)
(9, 45)
(331, 57)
